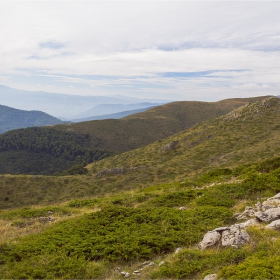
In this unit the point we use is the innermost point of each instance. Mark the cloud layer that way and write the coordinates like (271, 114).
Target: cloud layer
(182, 50)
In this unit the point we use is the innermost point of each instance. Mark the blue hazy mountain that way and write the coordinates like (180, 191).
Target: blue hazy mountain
(118, 115)
(61, 105)
(11, 118)
(107, 109)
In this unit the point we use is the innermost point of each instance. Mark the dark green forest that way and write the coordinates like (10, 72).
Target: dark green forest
(44, 151)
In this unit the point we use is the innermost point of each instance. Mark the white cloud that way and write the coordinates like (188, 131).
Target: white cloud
(127, 39)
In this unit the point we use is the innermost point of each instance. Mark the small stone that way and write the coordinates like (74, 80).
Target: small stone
(178, 250)
(125, 274)
(210, 239)
(211, 277)
(161, 263)
(274, 225)
(220, 229)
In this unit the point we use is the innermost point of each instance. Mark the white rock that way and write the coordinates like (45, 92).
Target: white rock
(274, 225)
(210, 239)
(178, 250)
(249, 223)
(269, 215)
(211, 277)
(125, 274)
(161, 263)
(235, 235)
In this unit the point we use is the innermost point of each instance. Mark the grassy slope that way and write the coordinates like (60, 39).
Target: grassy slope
(89, 238)
(157, 123)
(50, 153)
(244, 135)
(248, 134)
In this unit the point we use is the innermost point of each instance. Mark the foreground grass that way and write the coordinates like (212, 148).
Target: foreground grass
(90, 237)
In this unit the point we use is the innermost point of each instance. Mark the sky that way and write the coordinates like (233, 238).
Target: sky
(175, 50)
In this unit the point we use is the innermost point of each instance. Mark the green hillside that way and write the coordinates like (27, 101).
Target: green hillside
(11, 118)
(132, 212)
(140, 230)
(141, 129)
(245, 135)
(48, 150)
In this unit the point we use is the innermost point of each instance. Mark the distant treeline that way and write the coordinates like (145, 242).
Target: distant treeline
(62, 150)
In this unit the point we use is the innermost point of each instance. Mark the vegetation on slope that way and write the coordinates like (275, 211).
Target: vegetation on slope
(246, 134)
(157, 123)
(89, 238)
(241, 137)
(44, 151)
(48, 150)
(11, 118)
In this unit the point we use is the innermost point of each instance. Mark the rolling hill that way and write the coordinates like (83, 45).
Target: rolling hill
(141, 214)
(11, 118)
(151, 232)
(141, 129)
(247, 134)
(49, 150)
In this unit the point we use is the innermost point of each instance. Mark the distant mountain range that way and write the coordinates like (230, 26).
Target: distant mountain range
(63, 105)
(11, 118)
(118, 115)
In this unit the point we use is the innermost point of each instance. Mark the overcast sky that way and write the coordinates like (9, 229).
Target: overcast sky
(185, 50)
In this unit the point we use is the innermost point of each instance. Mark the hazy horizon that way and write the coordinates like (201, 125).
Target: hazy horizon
(185, 50)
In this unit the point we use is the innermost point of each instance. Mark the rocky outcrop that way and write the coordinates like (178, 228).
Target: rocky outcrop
(235, 235)
(269, 215)
(111, 171)
(210, 239)
(274, 225)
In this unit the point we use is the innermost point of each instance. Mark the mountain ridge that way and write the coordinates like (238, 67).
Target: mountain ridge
(11, 118)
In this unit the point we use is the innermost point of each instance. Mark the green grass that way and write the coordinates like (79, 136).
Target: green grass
(92, 236)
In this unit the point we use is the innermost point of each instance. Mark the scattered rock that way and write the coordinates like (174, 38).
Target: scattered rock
(274, 225)
(170, 146)
(249, 223)
(235, 235)
(211, 277)
(210, 239)
(147, 263)
(178, 250)
(46, 219)
(117, 269)
(136, 272)
(249, 212)
(161, 263)
(182, 208)
(269, 215)
(112, 171)
(125, 274)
